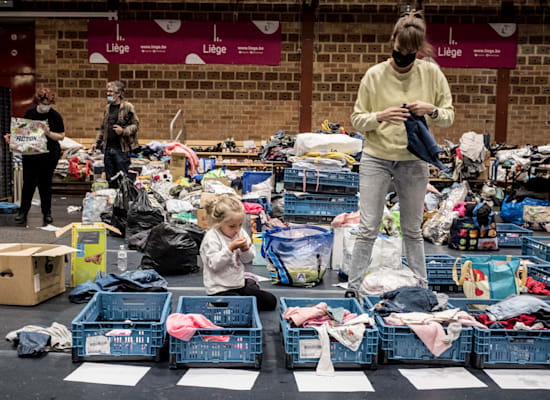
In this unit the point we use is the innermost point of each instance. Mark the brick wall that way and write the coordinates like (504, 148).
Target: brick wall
(256, 101)
(352, 38)
(62, 64)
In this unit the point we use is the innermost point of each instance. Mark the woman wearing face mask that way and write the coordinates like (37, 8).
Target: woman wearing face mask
(118, 132)
(38, 169)
(389, 92)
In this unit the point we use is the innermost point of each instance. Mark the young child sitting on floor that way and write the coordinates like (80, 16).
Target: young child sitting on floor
(225, 249)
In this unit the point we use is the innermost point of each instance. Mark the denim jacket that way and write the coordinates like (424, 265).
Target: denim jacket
(421, 142)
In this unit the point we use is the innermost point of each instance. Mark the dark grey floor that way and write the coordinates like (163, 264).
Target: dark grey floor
(43, 378)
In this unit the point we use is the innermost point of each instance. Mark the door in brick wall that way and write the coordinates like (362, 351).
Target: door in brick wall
(17, 70)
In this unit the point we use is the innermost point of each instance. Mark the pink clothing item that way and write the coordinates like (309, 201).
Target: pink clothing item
(299, 315)
(432, 335)
(189, 154)
(460, 208)
(321, 320)
(253, 208)
(347, 220)
(428, 328)
(317, 321)
(184, 326)
(348, 316)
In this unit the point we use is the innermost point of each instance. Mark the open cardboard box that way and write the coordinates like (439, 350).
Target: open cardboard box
(31, 273)
(90, 242)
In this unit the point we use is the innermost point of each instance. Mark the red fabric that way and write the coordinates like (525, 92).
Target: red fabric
(74, 170)
(536, 287)
(509, 323)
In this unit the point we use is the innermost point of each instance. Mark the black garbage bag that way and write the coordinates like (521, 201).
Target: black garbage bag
(172, 249)
(127, 193)
(142, 215)
(138, 241)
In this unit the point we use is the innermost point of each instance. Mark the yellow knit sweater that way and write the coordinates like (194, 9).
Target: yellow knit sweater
(384, 87)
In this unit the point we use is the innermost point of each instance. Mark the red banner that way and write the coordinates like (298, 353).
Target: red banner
(475, 45)
(183, 42)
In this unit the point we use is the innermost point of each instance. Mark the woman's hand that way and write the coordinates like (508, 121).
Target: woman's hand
(420, 108)
(7, 137)
(393, 115)
(45, 129)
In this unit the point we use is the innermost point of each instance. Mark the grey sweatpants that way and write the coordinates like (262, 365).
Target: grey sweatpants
(410, 180)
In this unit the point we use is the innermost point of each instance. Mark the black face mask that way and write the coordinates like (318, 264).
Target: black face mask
(403, 61)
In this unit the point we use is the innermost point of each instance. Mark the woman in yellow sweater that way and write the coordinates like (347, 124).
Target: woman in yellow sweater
(389, 92)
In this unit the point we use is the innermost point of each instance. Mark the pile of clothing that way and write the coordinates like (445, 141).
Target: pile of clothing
(523, 312)
(518, 162)
(129, 281)
(279, 148)
(346, 327)
(335, 128)
(425, 313)
(535, 286)
(153, 151)
(34, 340)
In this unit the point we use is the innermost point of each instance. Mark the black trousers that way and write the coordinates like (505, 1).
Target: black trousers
(38, 172)
(265, 300)
(115, 160)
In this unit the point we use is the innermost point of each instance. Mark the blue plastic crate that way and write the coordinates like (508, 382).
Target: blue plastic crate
(321, 181)
(239, 318)
(141, 316)
(321, 205)
(538, 246)
(253, 178)
(509, 235)
(401, 344)
(8, 208)
(505, 347)
(540, 273)
(297, 340)
(439, 268)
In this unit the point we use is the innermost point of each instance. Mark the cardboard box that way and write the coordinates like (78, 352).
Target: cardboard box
(178, 163)
(31, 273)
(90, 242)
(202, 218)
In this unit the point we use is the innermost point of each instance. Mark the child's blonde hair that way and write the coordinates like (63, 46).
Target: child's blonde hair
(221, 206)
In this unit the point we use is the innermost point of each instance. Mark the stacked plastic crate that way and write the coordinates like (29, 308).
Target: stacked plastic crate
(314, 196)
(6, 168)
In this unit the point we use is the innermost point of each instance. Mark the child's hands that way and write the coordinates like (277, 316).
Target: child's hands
(246, 246)
(238, 244)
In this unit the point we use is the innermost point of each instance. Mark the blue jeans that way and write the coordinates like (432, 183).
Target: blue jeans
(115, 160)
(410, 179)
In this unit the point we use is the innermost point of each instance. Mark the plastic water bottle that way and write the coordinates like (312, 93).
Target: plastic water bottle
(122, 262)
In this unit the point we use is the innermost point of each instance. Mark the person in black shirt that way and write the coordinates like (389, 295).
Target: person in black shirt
(38, 169)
